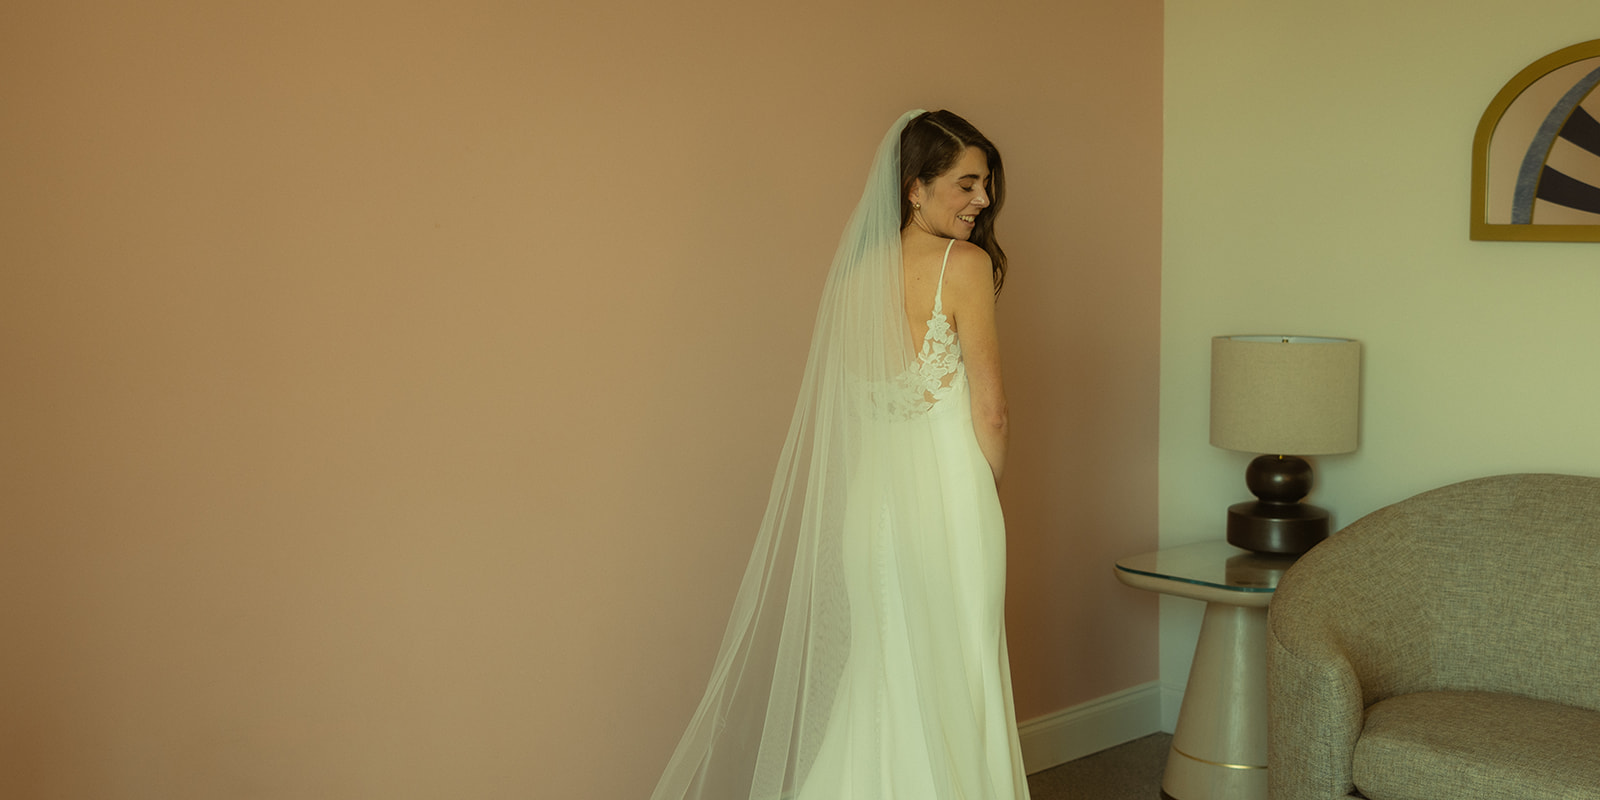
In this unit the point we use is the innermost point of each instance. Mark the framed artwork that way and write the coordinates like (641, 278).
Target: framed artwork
(1536, 155)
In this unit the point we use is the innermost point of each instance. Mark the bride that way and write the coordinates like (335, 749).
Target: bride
(866, 655)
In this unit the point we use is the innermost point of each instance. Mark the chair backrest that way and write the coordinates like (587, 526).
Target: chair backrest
(1487, 585)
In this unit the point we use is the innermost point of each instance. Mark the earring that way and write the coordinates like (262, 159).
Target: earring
(916, 206)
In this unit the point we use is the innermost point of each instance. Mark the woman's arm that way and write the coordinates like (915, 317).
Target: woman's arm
(970, 290)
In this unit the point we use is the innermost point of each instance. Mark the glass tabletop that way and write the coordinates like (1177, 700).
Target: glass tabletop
(1215, 564)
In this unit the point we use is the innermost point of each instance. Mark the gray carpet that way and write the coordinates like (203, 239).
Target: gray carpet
(1128, 772)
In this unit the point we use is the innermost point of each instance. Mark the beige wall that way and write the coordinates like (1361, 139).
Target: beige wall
(391, 390)
(1317, 172)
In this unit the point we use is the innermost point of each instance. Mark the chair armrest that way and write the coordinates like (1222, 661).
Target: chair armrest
(1314, 716)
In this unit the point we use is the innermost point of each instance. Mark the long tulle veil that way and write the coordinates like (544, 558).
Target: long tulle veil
(776, 682)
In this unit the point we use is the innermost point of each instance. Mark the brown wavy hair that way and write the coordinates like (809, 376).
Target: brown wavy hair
(930, 145)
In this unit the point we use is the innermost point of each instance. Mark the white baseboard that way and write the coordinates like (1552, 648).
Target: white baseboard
(1171, 704)
(1087, 728)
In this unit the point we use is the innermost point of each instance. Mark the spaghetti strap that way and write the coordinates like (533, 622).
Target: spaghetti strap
(938, 294)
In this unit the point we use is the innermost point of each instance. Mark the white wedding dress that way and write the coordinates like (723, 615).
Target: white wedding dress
(924, 707)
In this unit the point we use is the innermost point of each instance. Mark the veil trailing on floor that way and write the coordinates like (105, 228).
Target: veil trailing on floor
(856, 463)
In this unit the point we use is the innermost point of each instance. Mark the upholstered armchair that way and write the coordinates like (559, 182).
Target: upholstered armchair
(1447, 646)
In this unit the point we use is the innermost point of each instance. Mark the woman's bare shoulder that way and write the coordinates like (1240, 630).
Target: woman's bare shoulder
(969, 266)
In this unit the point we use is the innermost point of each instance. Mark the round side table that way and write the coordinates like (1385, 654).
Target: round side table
(1219, 750)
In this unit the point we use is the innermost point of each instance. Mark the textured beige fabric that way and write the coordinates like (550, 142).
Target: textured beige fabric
(1482, 745)
(1483, 586)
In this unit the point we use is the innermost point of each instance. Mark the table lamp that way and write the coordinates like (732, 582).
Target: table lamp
(1284, 397)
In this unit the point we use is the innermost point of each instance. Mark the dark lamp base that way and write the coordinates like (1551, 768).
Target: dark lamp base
(1279, 528)
(1277, 523)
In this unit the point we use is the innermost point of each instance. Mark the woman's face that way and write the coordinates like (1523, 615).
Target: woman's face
(950, 204)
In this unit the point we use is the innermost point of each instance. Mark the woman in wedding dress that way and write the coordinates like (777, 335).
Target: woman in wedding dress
(866, 655)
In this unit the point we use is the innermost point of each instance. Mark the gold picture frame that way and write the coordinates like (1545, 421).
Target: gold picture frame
(1536, 154)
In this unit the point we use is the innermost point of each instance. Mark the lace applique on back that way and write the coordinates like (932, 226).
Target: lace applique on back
(938, 371)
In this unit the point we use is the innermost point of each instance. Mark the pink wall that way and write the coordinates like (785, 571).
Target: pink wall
(391, 389)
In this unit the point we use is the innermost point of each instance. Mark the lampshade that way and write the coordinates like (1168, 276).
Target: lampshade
(1285, 395)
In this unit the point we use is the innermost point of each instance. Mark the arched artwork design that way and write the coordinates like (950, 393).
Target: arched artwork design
(1536, 156)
